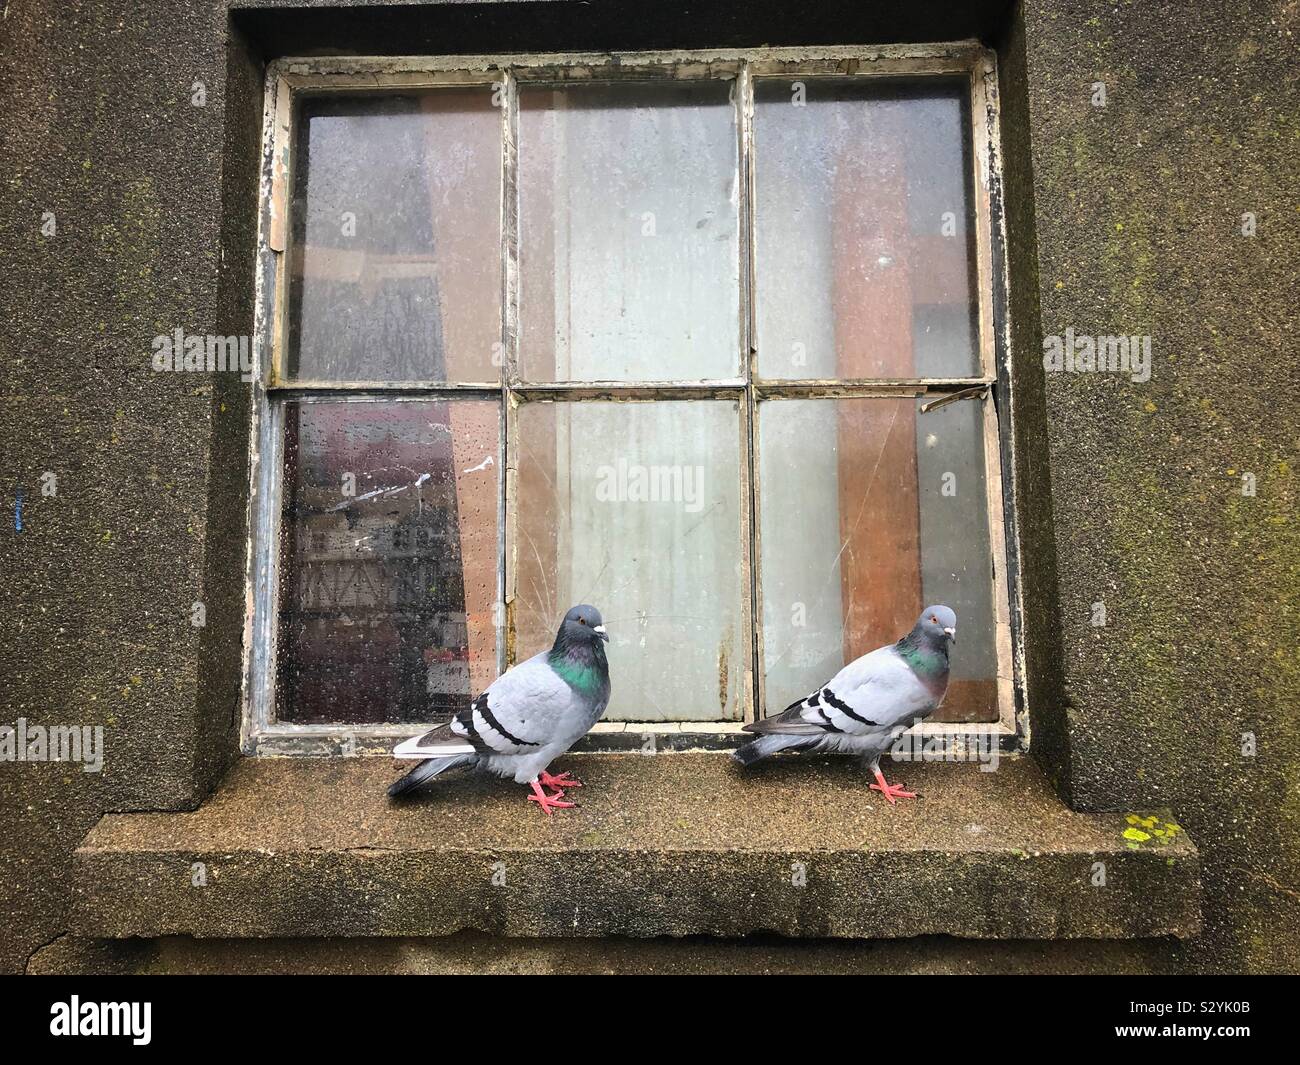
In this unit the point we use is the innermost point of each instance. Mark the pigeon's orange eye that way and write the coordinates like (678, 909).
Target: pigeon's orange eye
(583, 621)
(934, 619)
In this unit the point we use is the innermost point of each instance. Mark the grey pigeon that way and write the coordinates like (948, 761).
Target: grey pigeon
(527, 717)
(868, 703)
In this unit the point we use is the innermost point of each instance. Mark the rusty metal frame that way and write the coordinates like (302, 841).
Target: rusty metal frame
(262, 734)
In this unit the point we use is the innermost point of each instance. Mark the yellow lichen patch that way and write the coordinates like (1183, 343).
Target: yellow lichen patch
(1143, 829)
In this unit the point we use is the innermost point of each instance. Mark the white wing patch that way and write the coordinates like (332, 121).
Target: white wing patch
(412, 749)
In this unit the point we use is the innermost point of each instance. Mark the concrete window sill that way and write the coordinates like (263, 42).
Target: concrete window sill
(672, 844)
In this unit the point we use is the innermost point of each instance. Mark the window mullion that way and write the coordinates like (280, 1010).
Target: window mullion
(744, 95)
(507, 575)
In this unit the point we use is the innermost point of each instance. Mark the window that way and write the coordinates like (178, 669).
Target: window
(707, 340)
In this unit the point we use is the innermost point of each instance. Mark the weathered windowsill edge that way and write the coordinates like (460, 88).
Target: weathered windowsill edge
(679, 844)
(606, 737)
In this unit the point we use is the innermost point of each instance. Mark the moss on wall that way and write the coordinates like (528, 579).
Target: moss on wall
(1139, 209)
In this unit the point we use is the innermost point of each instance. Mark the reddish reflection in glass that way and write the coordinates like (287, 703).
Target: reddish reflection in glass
(395, 259)
(388, 563)
(872, 510)
(864, 229)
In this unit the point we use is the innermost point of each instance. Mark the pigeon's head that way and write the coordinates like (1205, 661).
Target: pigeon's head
(582, 624)
(938, 623)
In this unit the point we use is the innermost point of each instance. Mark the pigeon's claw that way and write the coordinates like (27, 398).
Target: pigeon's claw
(548, 802)
(560, 781)
(890, 791)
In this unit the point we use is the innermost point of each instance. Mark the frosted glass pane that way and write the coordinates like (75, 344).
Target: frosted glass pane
(871, 511)
(635, 508)
(395, 261)
(629, 258)
(864, 230)
(389, 559)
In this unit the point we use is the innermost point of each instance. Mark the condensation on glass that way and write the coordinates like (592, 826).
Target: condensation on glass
(864, 229)
(629, 247)
(395, 257)
(388, 559)
(636, 507)
(870, 511)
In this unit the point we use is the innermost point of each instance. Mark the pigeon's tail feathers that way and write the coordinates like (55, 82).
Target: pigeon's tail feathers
(426, 771)
(764, 746)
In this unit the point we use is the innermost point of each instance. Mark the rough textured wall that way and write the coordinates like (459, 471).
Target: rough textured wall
(150, 234)
(1138, 209)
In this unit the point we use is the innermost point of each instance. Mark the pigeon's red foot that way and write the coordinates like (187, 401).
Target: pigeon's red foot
(559, 782)
(890, 791)
(548, 802)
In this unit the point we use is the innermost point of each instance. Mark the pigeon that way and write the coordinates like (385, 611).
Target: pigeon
(868, 703)
(527, 717)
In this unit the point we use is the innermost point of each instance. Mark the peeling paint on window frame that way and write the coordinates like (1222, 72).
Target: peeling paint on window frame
(261, 734)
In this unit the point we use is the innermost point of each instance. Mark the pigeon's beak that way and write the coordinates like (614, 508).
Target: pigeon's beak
(599, 630)
(952, 634)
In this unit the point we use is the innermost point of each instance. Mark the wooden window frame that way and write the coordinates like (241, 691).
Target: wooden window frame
(260, 732)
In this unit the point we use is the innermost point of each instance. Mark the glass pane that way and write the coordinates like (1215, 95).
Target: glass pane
(872, 511)
(635, 508)
(628, 232)
(388, 560)
(395, 260)
(865, 238)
